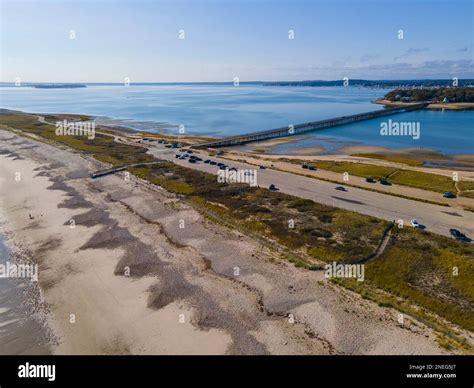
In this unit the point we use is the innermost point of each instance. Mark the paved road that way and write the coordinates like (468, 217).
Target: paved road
(438, 219)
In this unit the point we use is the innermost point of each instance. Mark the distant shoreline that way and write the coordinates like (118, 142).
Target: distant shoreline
(383, 84)
(437, 106)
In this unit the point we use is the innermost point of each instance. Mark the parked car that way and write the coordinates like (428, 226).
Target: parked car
(341, 188)
(223, 167)
(305, 166)
(385, 182)
(192, 160)
(189, 151)
(207, 161)
(232, 169)
(220, 153)
(177, 156)
(370, 180)
(312, 168)
(449, 194)
(417, 225)
(458, 235)
(272, 187)
(262, 167)
(212, 162)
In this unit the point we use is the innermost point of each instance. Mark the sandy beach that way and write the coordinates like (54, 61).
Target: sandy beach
(449, 106)
(120, 276)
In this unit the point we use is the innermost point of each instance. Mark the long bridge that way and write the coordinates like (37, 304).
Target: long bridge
(298, 129)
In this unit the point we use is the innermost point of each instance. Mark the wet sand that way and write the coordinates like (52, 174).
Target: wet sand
(126, 279)
(23, 329)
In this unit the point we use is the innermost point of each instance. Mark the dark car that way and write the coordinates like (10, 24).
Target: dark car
(220, 153)
(207, 161)
(370, 180)
(262, 167)
(312, 168)
(341, 188)
(458, 235)
(212, 163)
(449, 194)
(177, 156)
(272, 187)
(305, 166)
(385, 182)
(220, 164)
(189, 151)
(232, 169)
(223, 167)
(192, 160)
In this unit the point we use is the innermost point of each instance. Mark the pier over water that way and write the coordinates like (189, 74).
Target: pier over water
(298, 129)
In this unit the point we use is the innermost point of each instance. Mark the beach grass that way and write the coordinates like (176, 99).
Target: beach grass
(102, 147)
(466, 185)
(420, 274)
(395, 158)
(423, 180)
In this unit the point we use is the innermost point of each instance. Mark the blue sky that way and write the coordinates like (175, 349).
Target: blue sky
(231, 38)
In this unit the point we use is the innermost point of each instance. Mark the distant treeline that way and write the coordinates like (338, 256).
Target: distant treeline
(42, 85)
(377, 83)
(57, 86)
(433, 95)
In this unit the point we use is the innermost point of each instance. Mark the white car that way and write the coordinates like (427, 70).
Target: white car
(416, 224)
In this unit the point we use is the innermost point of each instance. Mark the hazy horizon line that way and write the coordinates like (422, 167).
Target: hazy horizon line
(232, 82)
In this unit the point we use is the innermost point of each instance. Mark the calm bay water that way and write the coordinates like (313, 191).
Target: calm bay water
(223, 110)
(20, 333)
